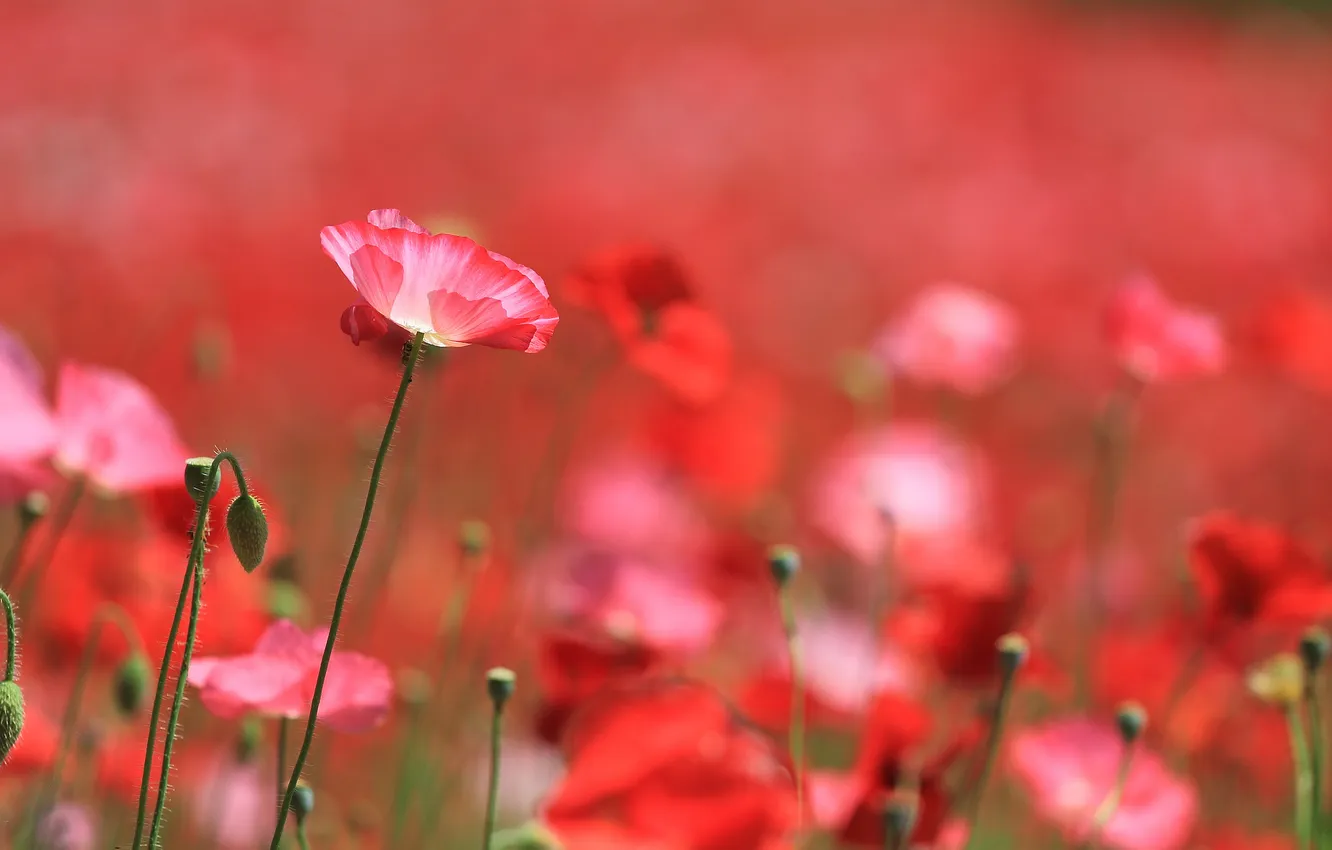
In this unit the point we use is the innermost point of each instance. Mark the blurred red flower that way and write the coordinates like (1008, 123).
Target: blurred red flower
(952, 336)
(278, 678)
(1069, 766)
(628, 284)
(446, 287)
(698, 779)
(1156, 340)
(575, 665)
(1294, 333)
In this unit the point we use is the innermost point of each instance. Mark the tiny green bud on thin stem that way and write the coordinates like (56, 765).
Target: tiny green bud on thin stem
(302, 802)
(200, 482)
(34, 506)
(1131, 720)
(783, 563)
(474, 538)
(131, 684)
(1314, 649)
(899, 819)
(500, 683)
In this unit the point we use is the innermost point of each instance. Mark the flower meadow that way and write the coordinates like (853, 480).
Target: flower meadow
(685, 426)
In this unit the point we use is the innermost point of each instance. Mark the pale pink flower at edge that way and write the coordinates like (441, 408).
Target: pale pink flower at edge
(953, 336)
(27, 428)
(278, 679)
(1157, 340)
(446, 287)
(1069, 766)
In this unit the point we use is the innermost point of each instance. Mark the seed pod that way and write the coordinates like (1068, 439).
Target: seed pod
(131, 684)
(248, 530)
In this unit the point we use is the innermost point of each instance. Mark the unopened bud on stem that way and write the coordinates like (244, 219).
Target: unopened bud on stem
(248, 530)
(500, 683)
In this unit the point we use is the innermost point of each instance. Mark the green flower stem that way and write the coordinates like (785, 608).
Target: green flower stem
(1110, 804)
(492, 793)
(11, 637)
(284, 724)
(51, 789)
(1313, 704)
(200, 525)
(15, 554)
(409, 366)
(26, 591)
(991, 752)
(1299, 751)
(796, 740)
(301, 840)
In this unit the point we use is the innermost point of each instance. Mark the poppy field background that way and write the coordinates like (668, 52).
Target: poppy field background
(1008, 317)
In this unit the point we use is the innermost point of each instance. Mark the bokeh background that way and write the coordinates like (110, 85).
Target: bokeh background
(166, 169)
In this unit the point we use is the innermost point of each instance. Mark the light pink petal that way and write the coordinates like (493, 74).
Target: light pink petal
(1156, 340)
(285, 639)
(953, 336)
(377, 277)
(258, 681)
(665, 612)
(833, 796)
(27, 428)
(112, 430)
(358, 692)
(524, 271)
(386, 219)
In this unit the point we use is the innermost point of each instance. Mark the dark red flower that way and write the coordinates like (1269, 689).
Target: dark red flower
(628, 284)
(1294, 333)
(668, 764)
(573, 666)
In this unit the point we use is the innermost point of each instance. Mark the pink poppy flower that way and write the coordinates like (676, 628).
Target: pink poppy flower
(27, 428)
(113, 431)
(1069, 766)
(278, 679)
(1156, 340)
(233, 806)
(953, 336)
(446, 287)
(66, 826)
(910, 480)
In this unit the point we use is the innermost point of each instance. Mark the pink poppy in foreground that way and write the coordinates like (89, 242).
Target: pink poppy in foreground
(1156, 340)
(446, 287)
(1069, 767)
(952, 336)
(113, 431)
(911, 480)
(27, 429)
(233, 806)
(278, 679)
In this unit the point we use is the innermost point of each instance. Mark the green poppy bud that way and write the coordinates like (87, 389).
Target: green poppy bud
(11, 716)
(500, 682)
(783, 563)
(248, 530)
(1131, 720)
(131, 684)
(197, 470)
(302, 802)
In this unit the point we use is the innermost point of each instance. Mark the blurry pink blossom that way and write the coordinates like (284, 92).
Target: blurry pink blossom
(111, 430)
(1156, 340)
(446, 287)
(66, 826)
(1069, 766)
(234, 805)
(528, 771)
(278, 679)
(953, 336)
(909, 480)
(27, 428)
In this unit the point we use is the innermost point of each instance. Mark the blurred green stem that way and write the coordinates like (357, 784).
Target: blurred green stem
(1299, 753)
(284, 723)
(1110, 804)
(30, 583)
(991, 752)
(412, 355)
(796, 740)
(301, 840)
(1314, 707)
(492, 792)
(15, 554)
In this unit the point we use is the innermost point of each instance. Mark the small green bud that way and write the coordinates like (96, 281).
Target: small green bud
(131, 684)
(197, 470)
(248, 530)
(11, 716)
(302, 802)
(1013, 650)
(247, 743)
(500, 682)
(899, 816)
(1314, 649)
(474, 538)
(783, 563)
(1131, 718)
(33, 507)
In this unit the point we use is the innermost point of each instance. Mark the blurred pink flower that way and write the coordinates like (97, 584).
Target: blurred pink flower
(113, 431)
(954, 336)
(1069, 766)
(278, 679)
(529, 769)
(1156, 340)
(234, 805)
(447, 287)
(27, 428)
(909, 480)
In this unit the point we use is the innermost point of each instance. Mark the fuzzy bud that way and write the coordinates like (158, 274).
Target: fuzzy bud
(783, 563)
(197, 471)
(131, 684)
(1013, 650)
(302, 802)
(33, 507)
(1279, 680)
(474, 538)
(1314, 649)
(11, 716)
(363, 323)
(1131, 719)
(247, 743)
(248, 530)
(500, 682)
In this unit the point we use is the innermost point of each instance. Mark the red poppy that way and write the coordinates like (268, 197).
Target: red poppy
(1294, 333)
(1255, 580)
(278, 677)
(1157, 340)
(575, 665)
(446, 287)
(698, 779)
(629, 284)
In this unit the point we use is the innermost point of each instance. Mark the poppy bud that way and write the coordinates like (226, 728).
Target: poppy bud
(899, 816)
(363, 323)
(474, 538)
(248, 531)
(131, 684)
(1314, 648)
(302, 802)
(1131, 718)
(500, 682)
(1280, 680)
(247, 743)
(11, 716)
(783, 563)
(197, 471)
(33, 507)
(1013, 650)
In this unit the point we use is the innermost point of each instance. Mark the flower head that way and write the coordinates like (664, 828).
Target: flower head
(1157, 340)
(446, 287)
(952, 336)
